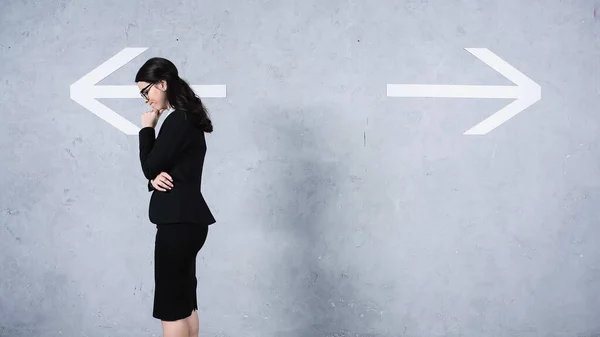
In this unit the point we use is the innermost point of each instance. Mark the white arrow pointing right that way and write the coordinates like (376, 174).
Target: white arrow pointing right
(85, 91)
(526, 91)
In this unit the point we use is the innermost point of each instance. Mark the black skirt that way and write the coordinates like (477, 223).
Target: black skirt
(175, 249)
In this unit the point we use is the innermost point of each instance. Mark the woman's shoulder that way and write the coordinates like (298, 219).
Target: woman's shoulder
(176, 121)
(182, 119)
(176, 116)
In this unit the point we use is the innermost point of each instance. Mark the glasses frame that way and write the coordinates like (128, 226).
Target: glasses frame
(144, 92)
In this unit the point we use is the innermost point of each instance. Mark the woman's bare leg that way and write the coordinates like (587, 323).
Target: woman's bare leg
(176, 328)
(193, 324)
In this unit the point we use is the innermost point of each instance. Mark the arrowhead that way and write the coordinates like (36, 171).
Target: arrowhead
(82, 91)
(529, 92)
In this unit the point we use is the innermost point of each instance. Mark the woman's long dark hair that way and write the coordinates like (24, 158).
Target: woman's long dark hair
(179, 94)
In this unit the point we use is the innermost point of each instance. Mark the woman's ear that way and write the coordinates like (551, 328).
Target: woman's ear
(163, 85)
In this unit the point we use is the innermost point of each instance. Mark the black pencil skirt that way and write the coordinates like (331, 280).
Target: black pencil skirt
(175, 249)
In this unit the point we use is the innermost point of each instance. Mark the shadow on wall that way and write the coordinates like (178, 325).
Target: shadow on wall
(37, 302)
(315, 291)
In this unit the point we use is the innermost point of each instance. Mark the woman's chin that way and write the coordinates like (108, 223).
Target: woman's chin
(157, 107)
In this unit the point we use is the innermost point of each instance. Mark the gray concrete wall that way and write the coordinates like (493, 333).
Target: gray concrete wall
(341, 211)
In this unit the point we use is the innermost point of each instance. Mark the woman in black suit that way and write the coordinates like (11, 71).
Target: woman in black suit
(173, 164)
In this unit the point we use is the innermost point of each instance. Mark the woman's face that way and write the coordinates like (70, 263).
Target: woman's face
(155, 94)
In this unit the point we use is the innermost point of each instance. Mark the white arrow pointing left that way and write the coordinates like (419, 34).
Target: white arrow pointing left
(85, 91)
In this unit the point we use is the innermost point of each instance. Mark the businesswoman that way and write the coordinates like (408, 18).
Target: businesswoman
(173, 162)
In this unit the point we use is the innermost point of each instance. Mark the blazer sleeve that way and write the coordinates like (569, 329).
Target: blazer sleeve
(158, 155)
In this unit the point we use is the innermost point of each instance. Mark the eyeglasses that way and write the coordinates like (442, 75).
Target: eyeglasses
(144, 92)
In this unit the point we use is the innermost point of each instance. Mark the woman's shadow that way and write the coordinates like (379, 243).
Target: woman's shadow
(311, 292)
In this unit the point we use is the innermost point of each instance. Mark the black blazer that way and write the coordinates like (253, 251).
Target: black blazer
(178, 150)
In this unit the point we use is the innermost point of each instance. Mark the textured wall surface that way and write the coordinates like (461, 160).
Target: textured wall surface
(341, 211)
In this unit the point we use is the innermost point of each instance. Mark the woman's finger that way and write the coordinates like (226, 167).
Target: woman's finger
(166, 175)
(157, 186)
(164, 183)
